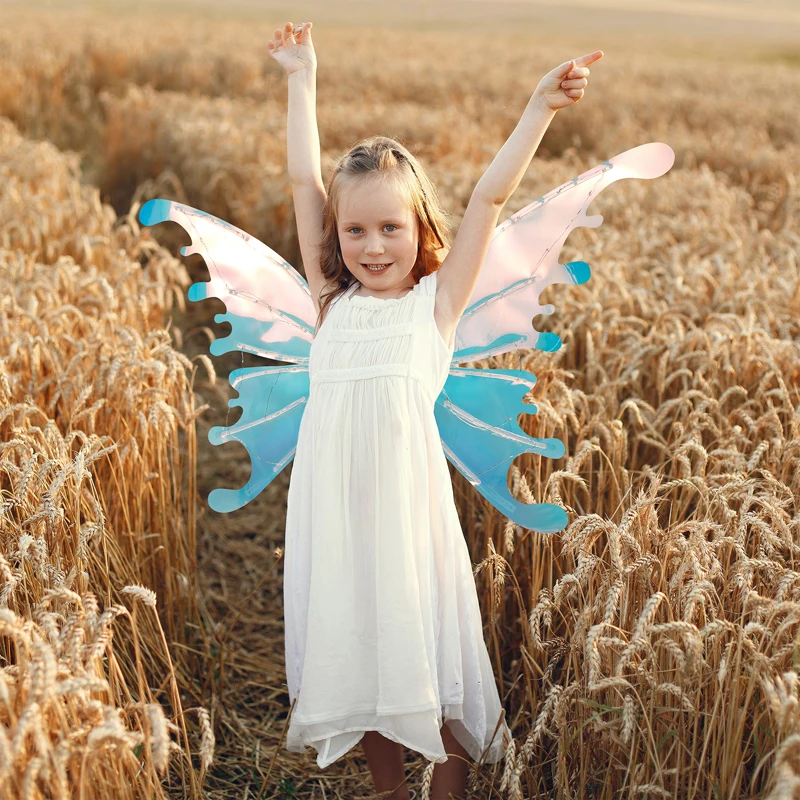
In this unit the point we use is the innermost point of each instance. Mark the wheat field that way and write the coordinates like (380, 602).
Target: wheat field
(650, 650)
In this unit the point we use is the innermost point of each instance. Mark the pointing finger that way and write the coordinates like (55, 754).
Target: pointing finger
(589, 58)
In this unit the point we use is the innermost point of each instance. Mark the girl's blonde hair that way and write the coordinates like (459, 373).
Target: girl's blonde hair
(387, 158)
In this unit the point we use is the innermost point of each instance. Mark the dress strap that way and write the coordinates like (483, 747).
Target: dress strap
(346, 293)
(350, 289)
(427, 284)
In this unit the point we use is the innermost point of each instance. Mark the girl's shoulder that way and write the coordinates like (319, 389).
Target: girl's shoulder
(426, 285)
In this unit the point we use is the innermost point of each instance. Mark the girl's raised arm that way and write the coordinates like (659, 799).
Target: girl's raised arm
(296, 55)
(459, 271)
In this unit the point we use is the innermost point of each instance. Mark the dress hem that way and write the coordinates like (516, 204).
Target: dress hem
(465, 735)
(382, 710)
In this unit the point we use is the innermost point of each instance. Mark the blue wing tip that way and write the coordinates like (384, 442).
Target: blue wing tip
(198, 291)
(154, 211)
(221, 346)
(540, 517)
(579, 271)
(548, 342)
(553, 520)
(224, 501)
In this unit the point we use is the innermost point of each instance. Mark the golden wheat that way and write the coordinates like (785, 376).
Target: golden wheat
(83, 365)
(648, 650)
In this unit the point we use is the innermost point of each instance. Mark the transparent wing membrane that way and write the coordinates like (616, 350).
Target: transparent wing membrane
(272, 400)
(268, 303)
(477, 409)
(477, 414)
(522, 260)
(269, 307)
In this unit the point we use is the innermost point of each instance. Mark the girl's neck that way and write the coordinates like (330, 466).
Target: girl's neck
(390, 294)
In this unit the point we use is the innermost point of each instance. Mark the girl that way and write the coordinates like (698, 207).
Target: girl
(384, 641)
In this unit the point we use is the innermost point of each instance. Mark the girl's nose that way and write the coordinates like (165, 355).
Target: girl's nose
(374, 246)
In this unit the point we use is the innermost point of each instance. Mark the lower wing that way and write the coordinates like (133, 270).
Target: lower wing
(477, 412)
(272, 400)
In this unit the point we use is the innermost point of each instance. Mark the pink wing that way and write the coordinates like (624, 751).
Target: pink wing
(269, 305)
(522, 260)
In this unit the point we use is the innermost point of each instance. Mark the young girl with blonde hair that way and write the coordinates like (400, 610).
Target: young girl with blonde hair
(384, 642)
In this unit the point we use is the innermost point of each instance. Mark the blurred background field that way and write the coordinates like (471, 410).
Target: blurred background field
(651, 649)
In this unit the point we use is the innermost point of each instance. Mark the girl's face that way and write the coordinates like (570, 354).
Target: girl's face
(378, 229)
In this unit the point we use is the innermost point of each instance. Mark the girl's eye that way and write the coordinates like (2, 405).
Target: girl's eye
(356, 229)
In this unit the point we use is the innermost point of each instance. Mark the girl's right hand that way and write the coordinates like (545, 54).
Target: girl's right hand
(293, 53)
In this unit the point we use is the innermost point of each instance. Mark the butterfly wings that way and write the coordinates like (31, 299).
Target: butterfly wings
(245, 275)
(272, 400)
(477, 414)
(271, 313)
(477, 410)
(522, 260)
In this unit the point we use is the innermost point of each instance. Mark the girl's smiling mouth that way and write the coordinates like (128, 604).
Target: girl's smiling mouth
(377, 267)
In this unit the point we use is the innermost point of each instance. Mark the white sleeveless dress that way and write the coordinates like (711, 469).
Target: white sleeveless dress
(382, 622)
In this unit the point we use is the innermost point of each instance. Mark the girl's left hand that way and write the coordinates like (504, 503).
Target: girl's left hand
(564, 85)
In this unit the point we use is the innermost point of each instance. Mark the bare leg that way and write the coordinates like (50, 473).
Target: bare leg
(385, 760)
(450, 777)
